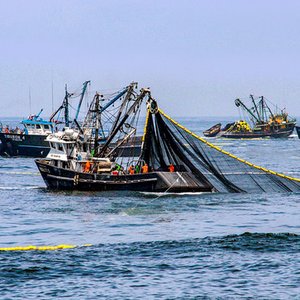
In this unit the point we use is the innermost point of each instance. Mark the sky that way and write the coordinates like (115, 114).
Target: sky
(196, 56)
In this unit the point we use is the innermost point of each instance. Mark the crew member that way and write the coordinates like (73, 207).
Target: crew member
(87, 167)
(171, 168)
(145, 168)
(131, 170)
(118, 167)
(137, 169)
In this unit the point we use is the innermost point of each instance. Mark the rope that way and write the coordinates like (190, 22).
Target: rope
(167, 188)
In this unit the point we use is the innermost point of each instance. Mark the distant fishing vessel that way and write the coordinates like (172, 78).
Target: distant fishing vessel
(213, 131)
(31, 140)
(265, 122)
(168, 158)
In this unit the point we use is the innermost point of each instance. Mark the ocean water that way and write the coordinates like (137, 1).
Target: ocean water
(162, 246)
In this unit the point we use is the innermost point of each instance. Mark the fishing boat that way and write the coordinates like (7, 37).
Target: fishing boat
(168, 158)
(212, 131)
(83, 160)
(30, 141)
(263, 122)
(27, 142)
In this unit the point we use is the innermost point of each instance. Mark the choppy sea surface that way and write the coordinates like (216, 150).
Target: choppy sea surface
(195, 246)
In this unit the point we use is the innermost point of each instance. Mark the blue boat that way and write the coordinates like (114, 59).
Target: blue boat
(28, 141)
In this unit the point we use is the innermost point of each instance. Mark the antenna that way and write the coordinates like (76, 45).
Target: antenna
(29, 100)
(52, 100)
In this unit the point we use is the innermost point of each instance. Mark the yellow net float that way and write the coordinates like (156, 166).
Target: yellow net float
(42, 248)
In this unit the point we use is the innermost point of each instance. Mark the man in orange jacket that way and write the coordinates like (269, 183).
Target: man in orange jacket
(145, 168)
(131, 170)
(87, 167)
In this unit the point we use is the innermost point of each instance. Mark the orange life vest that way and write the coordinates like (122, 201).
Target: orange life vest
(145, 169)
(87, 166)
(131, 170)
(171, 168)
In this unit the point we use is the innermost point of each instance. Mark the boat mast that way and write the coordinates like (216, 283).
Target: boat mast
(29, 100)
(65, 104)
(129, 90)
(264, 104)
(37, 116)
(81, 97)
(66, 107)
(137, 101)
(52, 94)
(239, 103)
(255, 107)
(103, 108)
(113, 100)
(97, 111)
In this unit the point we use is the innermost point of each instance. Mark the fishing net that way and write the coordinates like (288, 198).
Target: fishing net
(167, 142)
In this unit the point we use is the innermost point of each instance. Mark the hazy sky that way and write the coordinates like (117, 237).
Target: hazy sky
(197, 56)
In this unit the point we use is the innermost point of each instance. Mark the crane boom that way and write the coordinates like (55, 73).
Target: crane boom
(256, 109)
(81, 97)
(238, 103)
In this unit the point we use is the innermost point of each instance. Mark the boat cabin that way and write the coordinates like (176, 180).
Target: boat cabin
(35, 125)
(66, 149)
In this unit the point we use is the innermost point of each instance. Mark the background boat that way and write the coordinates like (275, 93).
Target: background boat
(212, 131)
(262, 122)
(30, 141)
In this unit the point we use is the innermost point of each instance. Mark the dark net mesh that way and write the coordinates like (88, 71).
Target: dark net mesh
(167, 142)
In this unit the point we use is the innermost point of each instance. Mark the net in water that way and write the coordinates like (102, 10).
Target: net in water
(167, 142)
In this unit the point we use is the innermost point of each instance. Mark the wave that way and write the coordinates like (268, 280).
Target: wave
(247, 241)
(168, 194)
(205, 267)
(20, 173)
(264, 242)
(12, 188)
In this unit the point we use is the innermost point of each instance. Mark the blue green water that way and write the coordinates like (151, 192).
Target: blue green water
(152, 246)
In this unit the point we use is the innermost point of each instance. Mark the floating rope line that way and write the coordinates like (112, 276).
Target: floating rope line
(42, 248)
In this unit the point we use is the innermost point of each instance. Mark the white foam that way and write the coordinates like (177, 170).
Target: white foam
(20, 173)
(161, 194)
(19, 187)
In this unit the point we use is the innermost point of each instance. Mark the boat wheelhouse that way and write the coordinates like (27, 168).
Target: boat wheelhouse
(36, 125)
